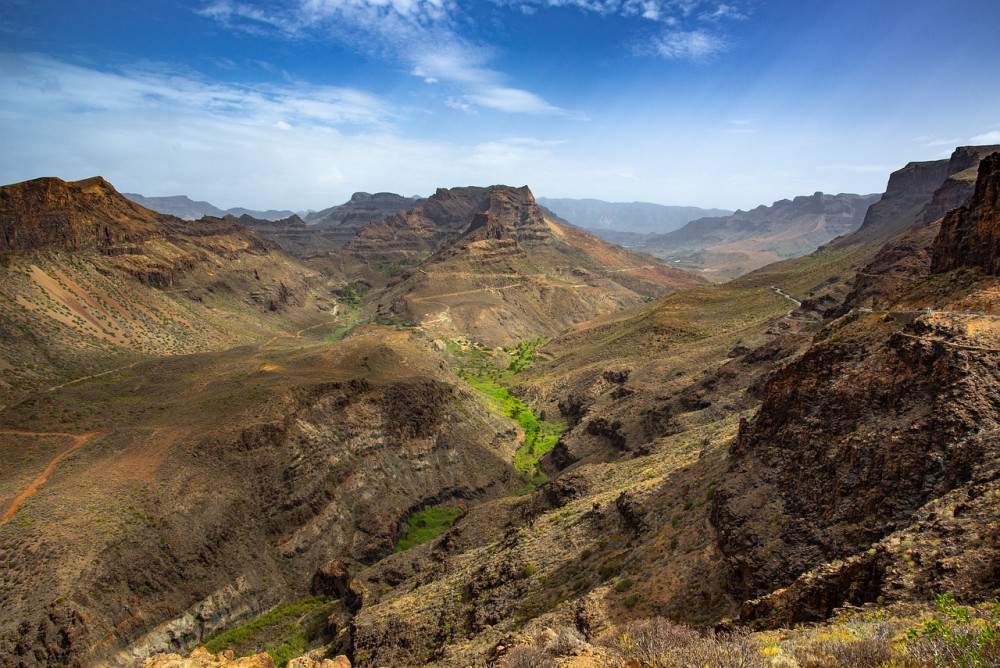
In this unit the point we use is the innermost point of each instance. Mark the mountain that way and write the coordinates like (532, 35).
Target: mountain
(810, 445)
(601, 218)
(184, 207)
(728, 246)
(498, 269)
(292, 234)
(90, 278)
(339, 223)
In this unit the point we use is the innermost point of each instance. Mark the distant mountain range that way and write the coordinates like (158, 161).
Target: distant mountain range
(184, 207)
(724, 247)
(601, 217)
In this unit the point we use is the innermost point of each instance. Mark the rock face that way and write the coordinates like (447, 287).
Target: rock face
(339, 224)
(863, 438)
(904, 259)
(291, 233)
(72, 215)
(419, 231)
(910, 189)
(970, 235)
(500, 270)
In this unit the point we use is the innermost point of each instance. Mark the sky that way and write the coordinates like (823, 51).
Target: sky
(296, 104)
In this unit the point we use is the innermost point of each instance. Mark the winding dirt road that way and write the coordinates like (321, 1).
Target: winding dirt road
(78, 440)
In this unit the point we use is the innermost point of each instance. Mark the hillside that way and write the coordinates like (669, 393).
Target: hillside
(727, 246)
(501, 271)
(812, 442)
(92, 280)
(340, 223)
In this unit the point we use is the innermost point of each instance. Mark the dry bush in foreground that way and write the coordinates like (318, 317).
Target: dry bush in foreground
(658, 643)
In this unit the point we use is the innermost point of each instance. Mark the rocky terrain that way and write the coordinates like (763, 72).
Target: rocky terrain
(340, 223)
(817, 434)
(501, 271)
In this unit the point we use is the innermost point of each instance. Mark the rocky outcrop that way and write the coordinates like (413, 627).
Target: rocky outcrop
(970, 235)
(444, 217)
(74, 215)
(339, 224)
(291, 234)
(850, 441)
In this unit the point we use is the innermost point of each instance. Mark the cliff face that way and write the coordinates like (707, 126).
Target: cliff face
(857, 442)
(970, 235)
(424, 229)
(72, 215)
(503, 271)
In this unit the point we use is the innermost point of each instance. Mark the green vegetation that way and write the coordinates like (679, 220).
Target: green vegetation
(959, 635)
(352, 293)
(479, 367)
(285, 632)
(428, 524)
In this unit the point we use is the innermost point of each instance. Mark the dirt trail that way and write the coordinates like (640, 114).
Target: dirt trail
(298, 334)
(78, 440)
(93, 375)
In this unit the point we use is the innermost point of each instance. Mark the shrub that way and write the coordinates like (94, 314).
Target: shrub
(657, 643)
(524, 656)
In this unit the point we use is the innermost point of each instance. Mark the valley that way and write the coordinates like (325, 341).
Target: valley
(466, 433)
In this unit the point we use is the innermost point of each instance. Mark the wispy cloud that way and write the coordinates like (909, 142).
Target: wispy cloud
(420, 33)
(297, 146)
(689, 29)
(689, 45)
(992, 137)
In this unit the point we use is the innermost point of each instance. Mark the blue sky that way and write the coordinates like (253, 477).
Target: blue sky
(298, 103)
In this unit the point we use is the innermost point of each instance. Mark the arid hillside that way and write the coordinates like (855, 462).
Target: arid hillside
(501, 271)
(374, 454)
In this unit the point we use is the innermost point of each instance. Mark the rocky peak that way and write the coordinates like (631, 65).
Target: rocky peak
(970, 235)
(73, 215)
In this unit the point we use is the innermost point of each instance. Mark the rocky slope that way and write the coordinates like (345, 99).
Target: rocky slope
(840, 486)
(91, 279)
(728, 246)
(292, 234)
(340, 223)
(510, 273)
(234, 481)
(970, 235)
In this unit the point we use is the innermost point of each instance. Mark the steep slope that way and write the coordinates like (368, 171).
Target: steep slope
(213, 486)
(184, 207)
(728, 246)
(844, 486)
(405, 238)
(670, 497)
(514, 274)
(92, 280)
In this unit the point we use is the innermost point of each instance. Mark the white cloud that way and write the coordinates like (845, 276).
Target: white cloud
(417, 32)
(992, 137)
(693, 45)
(257, 146)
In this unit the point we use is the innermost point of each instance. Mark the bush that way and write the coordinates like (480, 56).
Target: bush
(657, 643)
(524, 656)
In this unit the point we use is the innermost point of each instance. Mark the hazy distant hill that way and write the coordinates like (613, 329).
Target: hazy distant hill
(184, 207)
(729, 246)
(339, 223)
(639, 217)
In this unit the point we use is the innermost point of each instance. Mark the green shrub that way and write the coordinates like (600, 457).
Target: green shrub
(427, 525)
